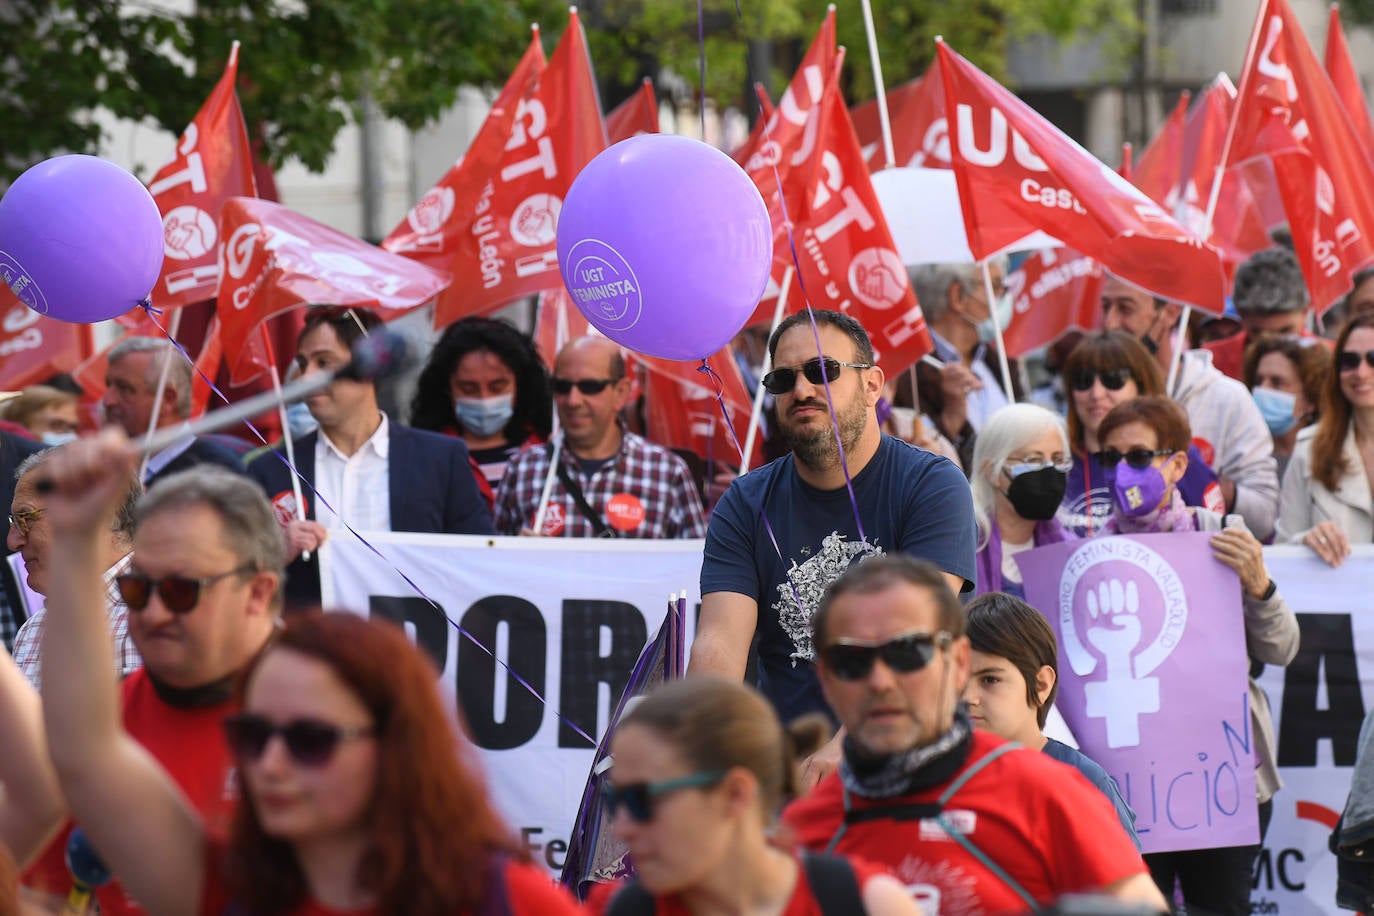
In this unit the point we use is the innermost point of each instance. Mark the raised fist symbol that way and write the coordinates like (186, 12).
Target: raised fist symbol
(1122, 698)
(877, 283)
(1116, 626)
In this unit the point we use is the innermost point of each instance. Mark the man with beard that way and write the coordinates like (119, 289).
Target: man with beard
(781, 534)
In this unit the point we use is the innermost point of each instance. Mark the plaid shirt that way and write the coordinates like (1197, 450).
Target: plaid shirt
(30, 639)
(645, 491)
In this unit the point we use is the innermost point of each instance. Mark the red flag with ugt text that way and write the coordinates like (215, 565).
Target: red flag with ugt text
(920, 132)
(213, 162)
(499, 242)
(1018, 173)
(1287, 111)
(1053, 291)
(33, 348)
(1346, 80)
(276, 259)
(636, 115)
(683, 412)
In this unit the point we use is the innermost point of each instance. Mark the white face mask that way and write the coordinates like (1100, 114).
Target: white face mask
(1002, 309)
(484, 416)
(54, 439)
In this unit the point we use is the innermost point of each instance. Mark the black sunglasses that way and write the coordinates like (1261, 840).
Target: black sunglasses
(637, 798)
(852, 660)
(1349, 360)
(587, 386)
(1138, 458)
(179, 594)
(310, 742)
(781, 381)
(1112, 379)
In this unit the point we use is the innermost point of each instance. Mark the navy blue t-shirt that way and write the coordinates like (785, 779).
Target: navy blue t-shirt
(1087, 500)
(910, 501)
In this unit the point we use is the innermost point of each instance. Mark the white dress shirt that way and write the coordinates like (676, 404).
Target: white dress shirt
(356, 486)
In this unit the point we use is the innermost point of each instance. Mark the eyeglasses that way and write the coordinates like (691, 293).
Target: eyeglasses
(1014, 469)
(1349, 360)
(1138, 458)
(637, 798)
(1112, 379)
(852, 659)
(24, 519)
(587, 386)
(310, 742)
(781, 381)
(179, 594)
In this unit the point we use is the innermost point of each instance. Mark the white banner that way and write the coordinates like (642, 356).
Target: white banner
(570, 616)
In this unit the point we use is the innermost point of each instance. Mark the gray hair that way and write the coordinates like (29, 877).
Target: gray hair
(178, 375)
(931, 282)
(250, 526)
(1270, 282)
(1005, 431)
(123, 526)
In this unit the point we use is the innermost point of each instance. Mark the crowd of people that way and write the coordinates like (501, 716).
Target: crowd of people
(175, 698)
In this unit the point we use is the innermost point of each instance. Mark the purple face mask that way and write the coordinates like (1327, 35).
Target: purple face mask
(1138, 491)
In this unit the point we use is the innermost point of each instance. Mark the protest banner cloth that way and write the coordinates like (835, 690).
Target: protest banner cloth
(1345, 79)
(34, 347)
(569, 615)
(920, 132)
(1153, 679)
(1053, 291)
(636, 115)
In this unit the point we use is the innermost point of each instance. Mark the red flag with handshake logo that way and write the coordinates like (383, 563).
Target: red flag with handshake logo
(275, 259)
(491, 220)
(213, 162)
(1018, 173)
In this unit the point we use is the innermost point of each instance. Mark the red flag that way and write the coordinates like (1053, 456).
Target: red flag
(1158, 169)
(1288, 111)
(1053, 291)
(557, 322)
(1018, 173)
(1346, 80)
(756, 136)
(276, 259)
(683, 412)
(33, 348)
(213, 162)
(920, 132)
(490, 221)
(636, 115)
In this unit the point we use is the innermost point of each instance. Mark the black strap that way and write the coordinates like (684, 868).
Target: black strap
(631, 900)
(575, 491)
(833, 884)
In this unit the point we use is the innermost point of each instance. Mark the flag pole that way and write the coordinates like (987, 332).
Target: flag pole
(889, 153)
(173, 328)
(997, 326)
(756, 415)
(285, 430)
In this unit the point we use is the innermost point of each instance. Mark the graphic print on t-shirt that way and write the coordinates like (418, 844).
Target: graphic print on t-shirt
(810, 580)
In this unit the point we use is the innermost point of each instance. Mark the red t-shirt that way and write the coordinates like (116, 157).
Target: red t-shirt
(1039, 820)
(529, 891)
(801, 903)
(189, 743)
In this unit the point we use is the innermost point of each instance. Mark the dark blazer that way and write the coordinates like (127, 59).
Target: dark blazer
(13, 450)
(201, 451)
(431, 488)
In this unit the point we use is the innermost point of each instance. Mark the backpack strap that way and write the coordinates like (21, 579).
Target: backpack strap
(574, 489)
(631, 900)
(833, 884)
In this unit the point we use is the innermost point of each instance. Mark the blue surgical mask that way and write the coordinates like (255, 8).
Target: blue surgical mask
(1277, 408)
(1002, 308)
(55, 439)
(299, 420)
(484, 416)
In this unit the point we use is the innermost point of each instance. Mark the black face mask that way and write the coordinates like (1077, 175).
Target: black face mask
(1036, 495)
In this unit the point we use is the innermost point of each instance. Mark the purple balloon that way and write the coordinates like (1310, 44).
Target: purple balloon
(665, 246)
(80, 239)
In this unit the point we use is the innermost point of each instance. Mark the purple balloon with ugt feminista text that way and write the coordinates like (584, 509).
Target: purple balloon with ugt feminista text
(81, 239)
(665, 246)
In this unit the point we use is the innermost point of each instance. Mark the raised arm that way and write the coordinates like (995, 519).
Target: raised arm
(31, 806)
(129, 807)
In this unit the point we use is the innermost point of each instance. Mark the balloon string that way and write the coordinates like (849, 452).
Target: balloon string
(701, 65)
(366, 543)
(147, 306)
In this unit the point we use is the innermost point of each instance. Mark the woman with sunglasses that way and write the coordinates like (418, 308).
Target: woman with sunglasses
(1286, 375)
(1020, 467)
(1105, 370)
(1144, 449)
(1325, 499)
(702, 769)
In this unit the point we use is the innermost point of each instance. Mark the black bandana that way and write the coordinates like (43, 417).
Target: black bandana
(910, 771)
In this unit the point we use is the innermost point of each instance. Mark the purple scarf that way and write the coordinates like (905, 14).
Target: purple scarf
(990, 557)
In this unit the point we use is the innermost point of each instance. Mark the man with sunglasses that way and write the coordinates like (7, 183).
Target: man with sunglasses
(203, 592)
(373, 474)
(784, 532)
(1228, 428)
(609, 482)
(969, 822)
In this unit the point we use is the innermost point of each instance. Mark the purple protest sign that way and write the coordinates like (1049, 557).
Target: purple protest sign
(1153, 679)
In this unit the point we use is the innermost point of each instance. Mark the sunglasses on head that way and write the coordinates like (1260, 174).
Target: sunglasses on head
(1112, 379)
(852, 659)
(179, 594)
(1138, 458)
(817, 372)
(637, 798)
(587, 386)
(310, 742)
(1349, 360)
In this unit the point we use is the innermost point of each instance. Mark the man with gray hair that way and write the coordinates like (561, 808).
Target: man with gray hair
(1270, 297)
(969, 388)
(135, 368)
(30, 537)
